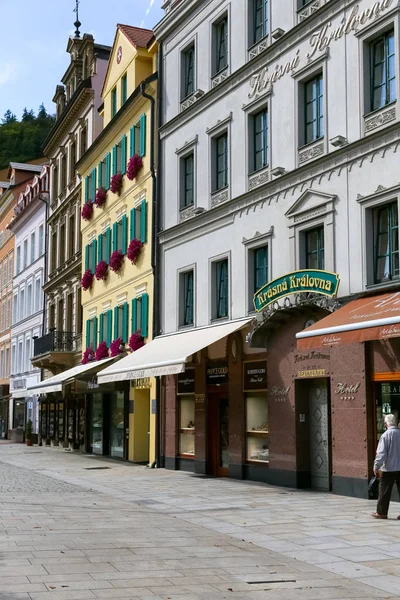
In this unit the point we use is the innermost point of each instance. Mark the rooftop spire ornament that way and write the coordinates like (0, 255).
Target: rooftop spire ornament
(77, 22)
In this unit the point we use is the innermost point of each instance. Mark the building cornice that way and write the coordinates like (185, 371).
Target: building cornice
(296, 181)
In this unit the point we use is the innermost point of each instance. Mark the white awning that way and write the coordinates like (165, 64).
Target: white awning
(55, 384)
(167, 354)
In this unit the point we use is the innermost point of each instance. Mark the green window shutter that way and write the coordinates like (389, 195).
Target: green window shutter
(132, 224)
(143, 222)
(123, 155)
(87, 257)
(124, 234)
(145, 315)
(99, 174)
(88, 333)
(108, 245)
(134, 315)
(132, 140)
(100, 248)
(125, 309)
(101, 328)
(115, 322)
(86, 188)
(95, 332)
(114, 160)
(93, 184)
(114, 237)
(109, 327)
(94, 255)
(108, 170)
(143, 135)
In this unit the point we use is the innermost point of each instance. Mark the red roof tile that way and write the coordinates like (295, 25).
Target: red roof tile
(137, 36)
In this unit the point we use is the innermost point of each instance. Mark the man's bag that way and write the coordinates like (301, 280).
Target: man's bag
(373, 488)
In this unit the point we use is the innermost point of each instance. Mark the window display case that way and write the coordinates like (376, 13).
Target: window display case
(257, 429)
(186, 426)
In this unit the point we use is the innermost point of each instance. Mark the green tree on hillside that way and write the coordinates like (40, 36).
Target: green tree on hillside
(21, 141)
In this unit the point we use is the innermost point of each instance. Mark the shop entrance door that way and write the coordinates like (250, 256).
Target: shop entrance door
(218, 435)
(319, 434)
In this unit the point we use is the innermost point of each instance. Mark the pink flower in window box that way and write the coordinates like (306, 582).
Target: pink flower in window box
(116, 183)
(87, 211)
(88, 356)
(134, 250)
(116, 260)
(136, 341)
(101, 271)
(134, 165)
(116, 347)
(102, 351)
(101, 197)
(87, 280)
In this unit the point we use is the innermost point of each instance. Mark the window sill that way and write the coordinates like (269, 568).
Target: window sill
(259, 177)
(220, 196)
(384, 285)
(310, 151)
(380, 117)
(309, 9)
(191, 99)
(219, 77)
(186, 213)
(186, 327)
(258, 47)
(216, 320)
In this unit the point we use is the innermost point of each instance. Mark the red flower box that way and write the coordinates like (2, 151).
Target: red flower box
(136, 341)
(134, 250)
(116, 347)
(116, 183)
(88, 356)
(87, 211)
(101, 197)
(102, 351)
(101, 271)
(87, 280)
(134, 165)
(116, 260)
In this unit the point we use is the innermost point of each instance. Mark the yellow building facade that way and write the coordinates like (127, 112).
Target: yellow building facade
(117, 223)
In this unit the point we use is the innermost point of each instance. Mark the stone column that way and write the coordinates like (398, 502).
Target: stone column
(200, 421)
(236, 407)
(171, 431)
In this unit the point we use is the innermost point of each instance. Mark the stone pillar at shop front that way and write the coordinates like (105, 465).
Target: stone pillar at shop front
(236, 407)
(200, 416)
(171, 431)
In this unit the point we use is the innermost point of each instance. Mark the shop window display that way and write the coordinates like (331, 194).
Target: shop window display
(97, 424)
(187, 426)
(117, 425)
(257, 428)
(387, 402)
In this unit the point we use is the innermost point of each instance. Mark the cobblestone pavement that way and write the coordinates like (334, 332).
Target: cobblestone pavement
(74, 527)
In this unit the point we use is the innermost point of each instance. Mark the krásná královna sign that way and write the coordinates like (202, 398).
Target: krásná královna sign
(318, 282)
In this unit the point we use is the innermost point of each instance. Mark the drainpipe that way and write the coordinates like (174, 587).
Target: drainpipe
(154, 252)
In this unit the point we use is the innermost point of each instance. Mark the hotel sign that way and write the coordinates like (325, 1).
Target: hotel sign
(320, 41)
(317, 282)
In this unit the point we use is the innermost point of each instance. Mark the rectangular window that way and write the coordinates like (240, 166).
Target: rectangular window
(41, 239)
(83, 140)
(121, 322)
(15, 309)
(20, 358)
(220, 41)
(10, 268)
(260, 268)
(118, 154)
(113, 102)
(221, 289)
(383, 74)
(18, 260)
(55, 183)
(188, 69)
(260, 140)
(28, 355)
(314, 109)
(386, 228)
(124, 88)
(71, 236)
(260, 20)
(187, 181)
(22, 305)
(25, 253)
(140, 315)
(103, 178)
(7, 363)
(221, 162)
(187, 298)
(38, 293)
(9, 312)
(33, 246)
(3, 316)
(92, 332)
(105, 331)
(72, 161)
(315, 248)
(29, 306)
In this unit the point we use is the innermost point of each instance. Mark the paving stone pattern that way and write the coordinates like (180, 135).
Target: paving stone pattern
(71, 532)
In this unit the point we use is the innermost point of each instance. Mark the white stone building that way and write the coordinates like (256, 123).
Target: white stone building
(279, 152)
(29, 228)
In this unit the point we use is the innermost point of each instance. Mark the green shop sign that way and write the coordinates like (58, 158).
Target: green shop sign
(309, 280)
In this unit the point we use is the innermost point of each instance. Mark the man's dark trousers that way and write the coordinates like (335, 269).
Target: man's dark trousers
(386, 482)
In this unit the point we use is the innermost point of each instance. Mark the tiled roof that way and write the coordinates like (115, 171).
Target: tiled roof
(137, 36)
(26, 167)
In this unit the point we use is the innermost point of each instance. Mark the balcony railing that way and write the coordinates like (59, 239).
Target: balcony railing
(54, 341)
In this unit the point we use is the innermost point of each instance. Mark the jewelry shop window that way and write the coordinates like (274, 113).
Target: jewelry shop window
(186, 413)
(257, 424)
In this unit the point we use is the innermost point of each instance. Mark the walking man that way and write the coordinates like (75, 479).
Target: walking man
(387, 466)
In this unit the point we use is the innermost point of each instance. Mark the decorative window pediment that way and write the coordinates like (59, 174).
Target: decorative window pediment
(310, 205)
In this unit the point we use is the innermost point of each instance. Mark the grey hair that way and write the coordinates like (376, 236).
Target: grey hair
(391, 420)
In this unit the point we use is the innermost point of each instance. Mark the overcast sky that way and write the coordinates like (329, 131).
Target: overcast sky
(34, 38)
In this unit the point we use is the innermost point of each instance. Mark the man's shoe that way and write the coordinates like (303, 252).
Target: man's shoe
(378, 516)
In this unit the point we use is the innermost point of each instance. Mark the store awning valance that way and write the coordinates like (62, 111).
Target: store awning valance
(362, 320)
(56, 383)
(168, 354)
